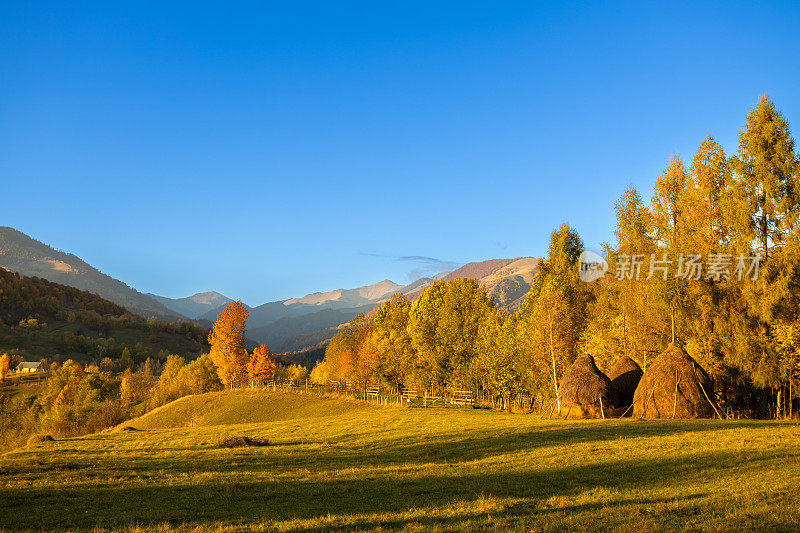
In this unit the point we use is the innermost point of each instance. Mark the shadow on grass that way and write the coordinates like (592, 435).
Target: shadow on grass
(338, 452)
(113, 506)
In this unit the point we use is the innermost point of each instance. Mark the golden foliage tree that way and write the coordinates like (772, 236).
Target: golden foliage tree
(261, 367)
(668, 206)
(444, 325)
(765, 167)
(227, 344)
(554, 312)
(134, 388)
(391, 340)
(5, 362)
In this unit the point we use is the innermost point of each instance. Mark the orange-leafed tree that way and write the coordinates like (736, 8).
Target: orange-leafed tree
(261, 367)
(227, 344)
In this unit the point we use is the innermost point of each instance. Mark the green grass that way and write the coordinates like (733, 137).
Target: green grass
(247, 407)
(339, 465)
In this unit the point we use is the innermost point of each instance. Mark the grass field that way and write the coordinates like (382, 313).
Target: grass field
(342, 465)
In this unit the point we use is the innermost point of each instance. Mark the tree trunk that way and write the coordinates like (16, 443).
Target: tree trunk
(764, 230)
(673, 325)
(553, 357)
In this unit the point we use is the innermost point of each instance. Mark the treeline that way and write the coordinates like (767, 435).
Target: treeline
(75, 400)
(39, 317)
(711, 262)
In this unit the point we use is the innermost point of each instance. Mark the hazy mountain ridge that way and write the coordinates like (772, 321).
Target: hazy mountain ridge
(506, 281)
(286, 325)
(194, 306)
(348, 297)
(283, 325)
(29, 257)
(277, 334)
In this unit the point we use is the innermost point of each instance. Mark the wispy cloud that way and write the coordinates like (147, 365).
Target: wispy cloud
(425, 266)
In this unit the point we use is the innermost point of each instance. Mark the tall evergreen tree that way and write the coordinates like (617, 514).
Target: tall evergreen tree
(765, 173)
(765, 169)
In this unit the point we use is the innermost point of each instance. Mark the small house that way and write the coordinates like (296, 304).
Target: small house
(27, 367)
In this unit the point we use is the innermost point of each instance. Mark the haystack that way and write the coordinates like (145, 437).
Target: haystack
(674, 386)
(624, 376)
(585, 391)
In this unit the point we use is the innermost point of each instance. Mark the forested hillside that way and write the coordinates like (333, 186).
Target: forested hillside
(29, 257)
(40, 319)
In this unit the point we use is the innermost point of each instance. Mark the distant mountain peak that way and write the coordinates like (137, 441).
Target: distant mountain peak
(506, 281)
(347, 297)
(196, 305)
(209, 298)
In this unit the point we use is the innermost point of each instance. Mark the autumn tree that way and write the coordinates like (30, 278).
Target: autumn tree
(669, 205)
(392, 341)
(298, 374)
(134, 388)
(554, 312)
(227, 344)
(5, 362)
(167, 388)
(621, 320)
(765, 168)
(444, 324)
(499, 363)
(261, 368)
(767, 174)
(199, 376)
(708, 197)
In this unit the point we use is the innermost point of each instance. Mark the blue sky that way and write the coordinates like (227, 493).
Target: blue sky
(271, 150)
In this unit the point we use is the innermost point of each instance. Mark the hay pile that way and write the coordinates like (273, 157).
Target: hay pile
(658, 397)
(237, 441)
(624, 376)
(37, 439)
(585, 391)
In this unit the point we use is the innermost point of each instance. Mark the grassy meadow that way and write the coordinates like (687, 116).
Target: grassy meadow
(340, 465)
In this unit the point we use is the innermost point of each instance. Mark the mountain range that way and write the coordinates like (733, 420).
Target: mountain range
(284, 325)
(195, 306)
(29, 257)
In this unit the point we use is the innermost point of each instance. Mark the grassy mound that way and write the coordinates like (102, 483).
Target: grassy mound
(243, 407)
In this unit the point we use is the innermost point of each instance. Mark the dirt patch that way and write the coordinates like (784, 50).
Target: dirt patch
(36, 439)
(238, 441)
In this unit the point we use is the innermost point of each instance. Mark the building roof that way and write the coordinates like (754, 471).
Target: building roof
(27, 365)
